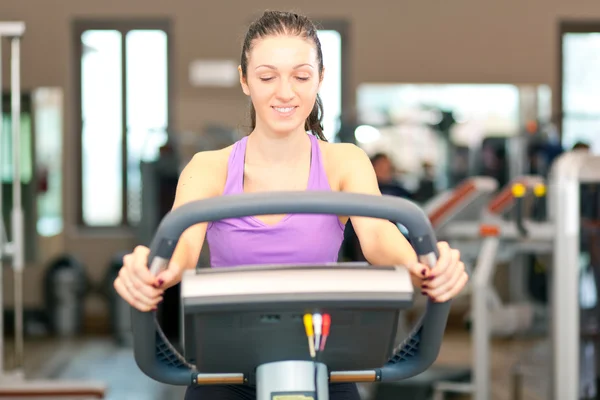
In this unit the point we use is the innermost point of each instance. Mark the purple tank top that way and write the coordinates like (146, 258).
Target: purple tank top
(296, 239)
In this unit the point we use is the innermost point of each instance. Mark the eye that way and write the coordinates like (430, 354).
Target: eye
(302, 78)
(266, 79)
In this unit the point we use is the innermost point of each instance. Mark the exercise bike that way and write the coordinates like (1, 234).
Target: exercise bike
(290, 330)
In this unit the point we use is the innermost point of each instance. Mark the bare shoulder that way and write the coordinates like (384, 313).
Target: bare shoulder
(341, 160)
(207, 171)
(216, 158)
(344, 155)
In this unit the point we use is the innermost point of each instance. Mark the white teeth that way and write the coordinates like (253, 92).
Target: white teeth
(283, 110)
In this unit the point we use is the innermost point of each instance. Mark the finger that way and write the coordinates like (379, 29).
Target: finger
(443, 261)
(437, 282)
(442, 270)
(126, 295)
(417, 281)
(139, 300)
(458, 287)
(140, 266)
(449, 283)
(438, 279)
(127, 259)
(455, 257)
(419, 270)
(141, 277)
(169, 276)
(134, 292)
(150, 291)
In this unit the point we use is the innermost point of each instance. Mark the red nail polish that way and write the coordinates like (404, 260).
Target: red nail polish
(423, 286)
(160, 282)
(423, 293)
(424, 272)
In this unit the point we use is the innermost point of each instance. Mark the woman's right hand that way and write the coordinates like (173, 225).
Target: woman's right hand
(137, 286)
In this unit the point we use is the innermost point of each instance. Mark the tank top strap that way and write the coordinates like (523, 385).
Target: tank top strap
(235, 167)
(318, 177)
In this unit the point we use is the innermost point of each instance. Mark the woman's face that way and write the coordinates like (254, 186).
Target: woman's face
(283, 82)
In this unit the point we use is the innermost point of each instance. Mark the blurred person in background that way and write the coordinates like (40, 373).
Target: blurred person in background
(426, 189)
(385, 172)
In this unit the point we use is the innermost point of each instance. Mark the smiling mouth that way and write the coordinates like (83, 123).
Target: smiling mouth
(284, 110)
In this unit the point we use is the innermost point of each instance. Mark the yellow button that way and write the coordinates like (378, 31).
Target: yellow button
(539, 190)
(518, 190)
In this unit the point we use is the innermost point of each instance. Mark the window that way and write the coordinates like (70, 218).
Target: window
(580, 85)
(48, 105)
(400, 111)
(445, 125)
(6, 155)
(124, 95)
(27, 176)
(41, 140)
(331, 88)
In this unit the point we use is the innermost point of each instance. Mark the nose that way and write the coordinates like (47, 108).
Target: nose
(285, 91)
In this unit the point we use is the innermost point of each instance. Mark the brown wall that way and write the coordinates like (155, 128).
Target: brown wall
(460, 41)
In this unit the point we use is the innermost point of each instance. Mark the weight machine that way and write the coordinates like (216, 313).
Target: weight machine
(514, 217)
(14, 383)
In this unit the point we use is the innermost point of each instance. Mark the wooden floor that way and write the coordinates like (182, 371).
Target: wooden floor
(100, 359)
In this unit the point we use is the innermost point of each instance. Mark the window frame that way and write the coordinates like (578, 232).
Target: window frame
(79, 26)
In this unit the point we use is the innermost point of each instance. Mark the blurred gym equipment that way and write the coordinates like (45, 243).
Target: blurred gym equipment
(501, 240)
(568, 174)
(462, 206)
(509, 216)
(567, 363)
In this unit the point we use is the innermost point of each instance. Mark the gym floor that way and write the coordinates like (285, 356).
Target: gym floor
(97, 358)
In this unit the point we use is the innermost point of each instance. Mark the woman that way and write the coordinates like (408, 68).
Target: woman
(281, 71)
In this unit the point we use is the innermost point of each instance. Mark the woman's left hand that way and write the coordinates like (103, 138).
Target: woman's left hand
(447, 278)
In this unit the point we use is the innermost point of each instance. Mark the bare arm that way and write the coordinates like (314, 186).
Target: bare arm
(201, 178)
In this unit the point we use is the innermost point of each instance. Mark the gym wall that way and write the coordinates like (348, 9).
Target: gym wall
(458, 41)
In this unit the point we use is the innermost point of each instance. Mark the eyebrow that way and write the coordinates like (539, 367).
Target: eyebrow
(273, 67)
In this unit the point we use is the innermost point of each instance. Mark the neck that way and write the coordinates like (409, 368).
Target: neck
(265, 148)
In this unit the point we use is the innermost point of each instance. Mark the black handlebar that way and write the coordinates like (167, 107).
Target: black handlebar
(419, 350)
